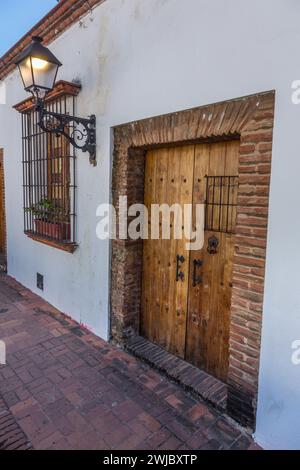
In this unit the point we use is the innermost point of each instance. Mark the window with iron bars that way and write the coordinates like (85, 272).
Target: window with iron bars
(49, 179)
(221, 203)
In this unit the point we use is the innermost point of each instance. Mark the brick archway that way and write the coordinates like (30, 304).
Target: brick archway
(251, 119)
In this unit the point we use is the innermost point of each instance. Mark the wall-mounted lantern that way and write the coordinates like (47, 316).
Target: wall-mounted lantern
(38, 68)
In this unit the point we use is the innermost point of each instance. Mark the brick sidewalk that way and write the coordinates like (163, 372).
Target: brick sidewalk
(68, 389)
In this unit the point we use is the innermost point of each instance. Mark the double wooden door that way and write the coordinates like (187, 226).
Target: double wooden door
(186, 293)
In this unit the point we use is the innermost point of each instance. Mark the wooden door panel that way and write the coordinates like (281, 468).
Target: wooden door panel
(149, 255)
(168, 180)
(185, 181)
(201, 341)
(196, 326)
(171, 290)
(207, 342)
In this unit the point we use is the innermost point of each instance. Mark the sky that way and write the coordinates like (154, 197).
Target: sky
(17, 17)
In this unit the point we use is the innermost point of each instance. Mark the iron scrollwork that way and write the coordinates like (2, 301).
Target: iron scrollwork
(81, 131)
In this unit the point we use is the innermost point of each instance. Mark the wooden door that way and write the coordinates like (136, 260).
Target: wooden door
(190, 317)
(207, 340)
(168, 180)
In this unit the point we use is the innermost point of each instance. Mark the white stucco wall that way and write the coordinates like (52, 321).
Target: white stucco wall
(140, 58)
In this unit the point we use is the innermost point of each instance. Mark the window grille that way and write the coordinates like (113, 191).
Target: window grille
(49, 178)
(221, 203)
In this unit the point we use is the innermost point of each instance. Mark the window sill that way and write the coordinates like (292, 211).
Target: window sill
(69, 247)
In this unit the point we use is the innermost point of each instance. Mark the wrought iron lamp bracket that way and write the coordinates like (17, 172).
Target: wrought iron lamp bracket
(82, 131)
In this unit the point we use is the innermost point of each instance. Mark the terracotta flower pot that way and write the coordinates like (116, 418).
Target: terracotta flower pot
(57, 230)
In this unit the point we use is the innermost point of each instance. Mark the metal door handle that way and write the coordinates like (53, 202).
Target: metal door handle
(179, 274)
(197, 279)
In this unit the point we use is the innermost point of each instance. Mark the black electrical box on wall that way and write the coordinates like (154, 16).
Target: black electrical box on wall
(40, 281)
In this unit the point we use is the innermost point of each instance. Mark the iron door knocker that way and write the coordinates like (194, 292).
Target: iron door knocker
(213, 244)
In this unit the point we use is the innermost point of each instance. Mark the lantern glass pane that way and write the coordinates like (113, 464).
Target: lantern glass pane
(44, 73)
(26, 74)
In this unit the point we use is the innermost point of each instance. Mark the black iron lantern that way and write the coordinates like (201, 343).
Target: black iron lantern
(38, 68)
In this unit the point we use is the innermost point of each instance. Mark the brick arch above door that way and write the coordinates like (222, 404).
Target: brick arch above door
(251, 120)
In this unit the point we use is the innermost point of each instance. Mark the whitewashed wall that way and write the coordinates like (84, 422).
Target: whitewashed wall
(140, 58)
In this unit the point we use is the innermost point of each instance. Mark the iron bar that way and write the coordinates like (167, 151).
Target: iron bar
(49, 176)
(222, 205)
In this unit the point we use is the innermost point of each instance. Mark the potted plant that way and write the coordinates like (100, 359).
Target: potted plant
(50, 220)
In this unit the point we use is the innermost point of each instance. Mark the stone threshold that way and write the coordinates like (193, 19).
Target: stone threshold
(192, 379)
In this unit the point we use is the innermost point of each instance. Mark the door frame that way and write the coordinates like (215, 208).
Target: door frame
(249, 119)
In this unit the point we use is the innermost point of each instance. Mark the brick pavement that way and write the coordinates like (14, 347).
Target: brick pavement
(68, 389)
(11, 435)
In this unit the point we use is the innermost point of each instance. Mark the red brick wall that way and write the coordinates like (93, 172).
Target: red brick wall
(249, 261)
(251, 118)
